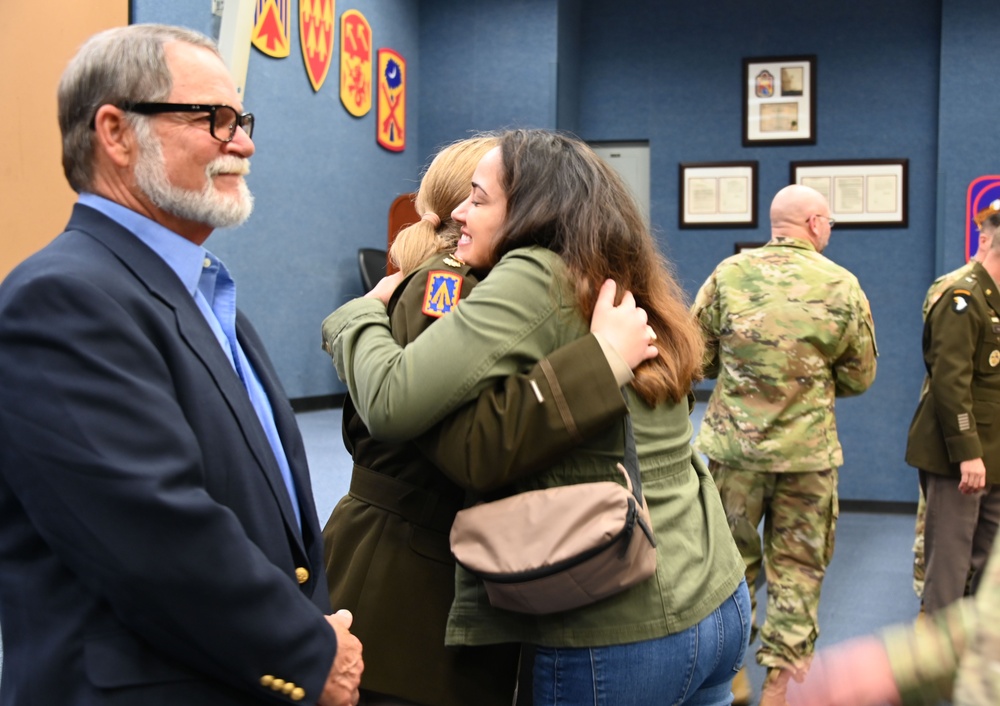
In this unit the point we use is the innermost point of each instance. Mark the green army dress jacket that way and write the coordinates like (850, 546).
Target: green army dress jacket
(956, 420)
(523, 311)
(787, 331)
(386, 542)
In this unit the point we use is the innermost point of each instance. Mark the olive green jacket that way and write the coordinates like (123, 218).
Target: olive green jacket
(387, 553)
(955, 420)
(523, 311)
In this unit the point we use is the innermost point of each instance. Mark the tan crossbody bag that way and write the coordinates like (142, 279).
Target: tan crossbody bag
(555, 549)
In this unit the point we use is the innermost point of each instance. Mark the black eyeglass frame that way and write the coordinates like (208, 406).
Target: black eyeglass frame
(833, 221)
(243, 120)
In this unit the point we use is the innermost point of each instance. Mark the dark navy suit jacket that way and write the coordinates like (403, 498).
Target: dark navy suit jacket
(149, 553)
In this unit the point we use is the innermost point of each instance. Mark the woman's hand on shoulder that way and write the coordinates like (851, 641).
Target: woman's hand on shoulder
(623, 326)
(385, 287)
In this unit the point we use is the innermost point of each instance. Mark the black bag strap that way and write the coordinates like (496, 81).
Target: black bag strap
(630, 460)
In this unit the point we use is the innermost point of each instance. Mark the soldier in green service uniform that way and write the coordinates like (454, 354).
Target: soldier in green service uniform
(951, 439)
(787, 331)
(987, 231)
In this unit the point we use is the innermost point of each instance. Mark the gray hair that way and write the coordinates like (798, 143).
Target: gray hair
(117, 66)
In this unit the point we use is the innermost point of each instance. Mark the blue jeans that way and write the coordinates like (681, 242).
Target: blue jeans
(694, 667)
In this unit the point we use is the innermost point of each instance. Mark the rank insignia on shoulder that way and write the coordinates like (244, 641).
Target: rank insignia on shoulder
(443, 291)
(452, 261)
(960, 301)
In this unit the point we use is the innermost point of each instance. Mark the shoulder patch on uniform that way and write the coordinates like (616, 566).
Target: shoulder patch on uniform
(443, 291)
(960, 301)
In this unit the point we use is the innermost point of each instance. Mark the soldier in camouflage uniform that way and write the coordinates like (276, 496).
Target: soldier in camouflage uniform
(787, 330)
(937, 288)
(953, 654)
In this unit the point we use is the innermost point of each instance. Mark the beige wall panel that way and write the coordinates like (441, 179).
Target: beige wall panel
(37, 39)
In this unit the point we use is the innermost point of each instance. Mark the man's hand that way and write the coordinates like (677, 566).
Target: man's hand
(341, 688)
(623, 326)
(385, 287)
(973, 476)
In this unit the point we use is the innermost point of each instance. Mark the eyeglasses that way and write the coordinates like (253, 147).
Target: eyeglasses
(833, 221)
(222, 119)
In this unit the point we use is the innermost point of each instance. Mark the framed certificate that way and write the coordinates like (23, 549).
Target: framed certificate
(779, 101)
(718, 195)
(862, 193)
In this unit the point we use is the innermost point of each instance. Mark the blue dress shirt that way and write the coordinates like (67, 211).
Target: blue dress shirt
(214, 291)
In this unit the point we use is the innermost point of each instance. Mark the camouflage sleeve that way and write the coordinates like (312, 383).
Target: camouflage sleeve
(854, 369)
(706, 310)
(978, 679)
(924, 656)
(934, 293)
(942, 284)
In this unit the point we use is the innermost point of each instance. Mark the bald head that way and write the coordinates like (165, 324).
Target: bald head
(792, 215)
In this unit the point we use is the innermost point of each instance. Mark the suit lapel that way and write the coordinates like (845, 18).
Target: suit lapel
(287, 426)
(164, 284)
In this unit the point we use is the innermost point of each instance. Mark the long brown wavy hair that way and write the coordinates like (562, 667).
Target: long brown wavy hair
(562, 196)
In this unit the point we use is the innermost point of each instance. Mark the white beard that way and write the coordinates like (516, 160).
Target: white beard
(206, 206)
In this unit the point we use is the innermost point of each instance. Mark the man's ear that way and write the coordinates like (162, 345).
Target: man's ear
(115, 136)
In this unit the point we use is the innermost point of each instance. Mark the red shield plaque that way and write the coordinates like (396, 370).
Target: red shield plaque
(272, 27)
(316, 37)
(355, 63)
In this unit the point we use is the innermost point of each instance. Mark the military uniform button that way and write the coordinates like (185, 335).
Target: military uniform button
(298, 693)
(266, 680)
(277, 684)
(288, 688)
(301, 575)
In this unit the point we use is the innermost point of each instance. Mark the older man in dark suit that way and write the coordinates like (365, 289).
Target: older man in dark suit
(159, 542)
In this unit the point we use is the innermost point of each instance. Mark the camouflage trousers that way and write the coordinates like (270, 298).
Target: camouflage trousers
(800, 513)
(978, 681)
(919, 566)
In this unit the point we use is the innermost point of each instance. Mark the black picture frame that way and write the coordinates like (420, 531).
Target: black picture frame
(779, 100)
(862, 193)
(717, 194)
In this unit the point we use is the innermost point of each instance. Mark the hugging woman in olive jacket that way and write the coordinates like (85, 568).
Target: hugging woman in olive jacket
(387, 552)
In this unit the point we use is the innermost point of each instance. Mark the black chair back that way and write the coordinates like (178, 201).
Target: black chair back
(372, 262)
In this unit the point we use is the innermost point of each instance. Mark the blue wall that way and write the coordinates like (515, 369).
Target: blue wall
(968, 113)
(895, 79)
(487, 65)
